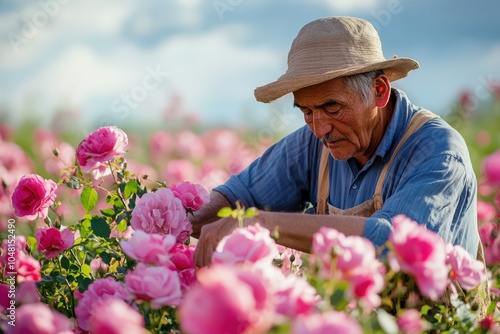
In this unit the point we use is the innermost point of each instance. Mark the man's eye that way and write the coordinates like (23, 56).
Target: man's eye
(332, 110)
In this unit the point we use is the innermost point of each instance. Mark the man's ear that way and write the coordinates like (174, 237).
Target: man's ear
(382, 90)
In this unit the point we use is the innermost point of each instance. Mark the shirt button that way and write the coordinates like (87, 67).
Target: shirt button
(354, 186)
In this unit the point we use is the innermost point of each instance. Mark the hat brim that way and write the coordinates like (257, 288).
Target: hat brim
(394, 69)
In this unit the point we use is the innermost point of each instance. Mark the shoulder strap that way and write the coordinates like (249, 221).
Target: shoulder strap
(323, 183)
(419, 118)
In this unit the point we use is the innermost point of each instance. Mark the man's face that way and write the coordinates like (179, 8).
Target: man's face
(341, 119)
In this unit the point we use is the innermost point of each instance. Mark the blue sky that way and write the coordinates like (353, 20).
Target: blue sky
(123, 61)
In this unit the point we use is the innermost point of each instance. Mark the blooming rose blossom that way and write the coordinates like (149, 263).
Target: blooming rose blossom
(485, 211)
(193, 196)
(33, 196)
(467, 271)
(149, 248)
(161, 212)
(158, 285)
(99, 290)
(491, 168)
(328, 322)
(410, 322)
(227, 299)
(14, 163)
(114, 316)
(253, 244)
(28, 269)
(52, 241)
(356, 264)
(420, 253)
(4, 296)
(19, 247)
(182, 258)
(178, 170)
(100, 147)
(27, 293)
(295, 296)
(39, 319)
(97, 266)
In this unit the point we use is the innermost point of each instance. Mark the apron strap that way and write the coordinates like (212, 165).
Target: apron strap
(418, 119)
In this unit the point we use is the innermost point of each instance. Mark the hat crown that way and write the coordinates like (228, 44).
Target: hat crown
(332, 44)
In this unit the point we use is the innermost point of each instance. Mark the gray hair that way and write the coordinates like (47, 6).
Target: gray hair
(361, 83)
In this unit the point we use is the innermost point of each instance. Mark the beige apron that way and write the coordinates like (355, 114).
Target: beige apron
(369, 207)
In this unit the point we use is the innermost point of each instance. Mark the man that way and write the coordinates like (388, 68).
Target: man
(365, 155)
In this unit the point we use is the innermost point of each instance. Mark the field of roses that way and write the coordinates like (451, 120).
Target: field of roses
(96, 238)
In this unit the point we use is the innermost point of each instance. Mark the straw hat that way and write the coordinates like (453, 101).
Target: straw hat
(329, 48)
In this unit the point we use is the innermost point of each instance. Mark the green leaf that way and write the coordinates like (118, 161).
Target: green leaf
(83, 283)
(100, 227)
(108, 212)
(88, 198)
(225, 212)
(85, 269)
(105, 257)
(251, 212)
(32, 243)
(85, 229)
(73, 182)
(130, 188)
(122, 225)
(64, 262)
(387, 322)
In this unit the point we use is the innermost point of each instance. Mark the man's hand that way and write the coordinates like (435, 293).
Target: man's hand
(211, 235)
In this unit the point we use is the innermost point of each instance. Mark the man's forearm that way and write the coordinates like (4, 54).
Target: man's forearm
(296, 230)
(208, 213)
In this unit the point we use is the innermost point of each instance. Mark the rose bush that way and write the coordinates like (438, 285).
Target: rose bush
(126, 265)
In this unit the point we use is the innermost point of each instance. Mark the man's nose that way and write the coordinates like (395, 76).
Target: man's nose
(321, 126)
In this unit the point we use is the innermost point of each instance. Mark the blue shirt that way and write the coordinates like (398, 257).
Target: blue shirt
(431, 179)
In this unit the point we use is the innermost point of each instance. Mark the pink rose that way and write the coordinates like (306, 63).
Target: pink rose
(52, 241)
(98, 291)
(178, 170)
(39, 319)
(410, 322)
(4, 297)
(491, 168)
(420, 253)
(467, 271)
(114, 316)
(100, 147)
(295, 296)
(18, 245)
(227, 299)
(14, 163)
(161, 212)
(356, 263)
(247, 244)
(98, 266)
(158, 285)
(149, 248)
(193, 196)
(27, 293)
(33, 196)
(28, 269)
(328, 322)
(485, 211)
(182, 258)
(323, 242)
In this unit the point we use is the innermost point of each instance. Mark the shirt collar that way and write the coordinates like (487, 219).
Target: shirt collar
(403, 111)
